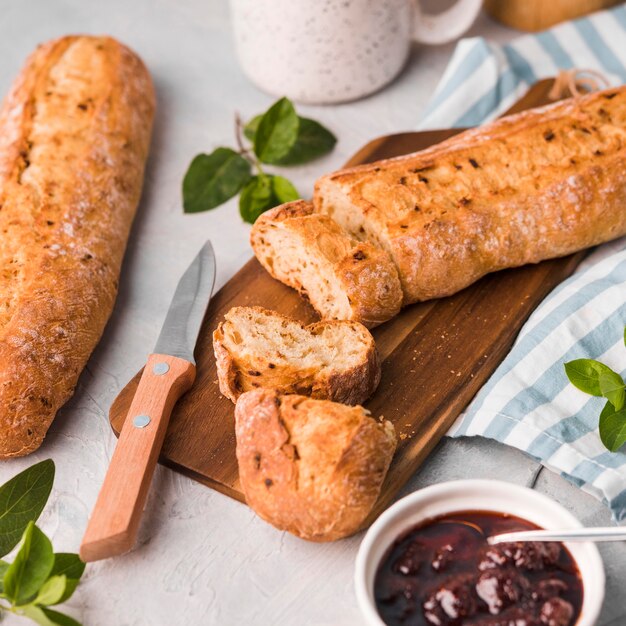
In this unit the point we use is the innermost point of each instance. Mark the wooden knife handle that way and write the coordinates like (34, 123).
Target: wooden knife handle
(113, 525)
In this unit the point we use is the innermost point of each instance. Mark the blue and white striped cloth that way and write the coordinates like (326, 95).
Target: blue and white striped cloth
(528, 403)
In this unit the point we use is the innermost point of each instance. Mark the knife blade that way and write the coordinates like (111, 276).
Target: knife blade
(168, 374)
(182, 323)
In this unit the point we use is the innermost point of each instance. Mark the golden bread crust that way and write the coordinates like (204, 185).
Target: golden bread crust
(311, 467)
(353, 280)
(540, 184)
(75, 130)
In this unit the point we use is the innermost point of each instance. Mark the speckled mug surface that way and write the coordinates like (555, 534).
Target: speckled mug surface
(328, 51)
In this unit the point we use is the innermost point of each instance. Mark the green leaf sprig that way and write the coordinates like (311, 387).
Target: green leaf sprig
(278, 137)
(597, 379)
(38, 578)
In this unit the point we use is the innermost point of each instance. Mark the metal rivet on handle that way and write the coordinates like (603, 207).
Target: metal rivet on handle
(141, 421)
(161, 368)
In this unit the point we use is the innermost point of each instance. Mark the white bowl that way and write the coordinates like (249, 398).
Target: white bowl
(474, 495)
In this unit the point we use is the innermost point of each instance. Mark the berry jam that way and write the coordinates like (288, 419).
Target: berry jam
(443, 573)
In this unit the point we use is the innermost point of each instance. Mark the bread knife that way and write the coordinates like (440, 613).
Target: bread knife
(169, 372)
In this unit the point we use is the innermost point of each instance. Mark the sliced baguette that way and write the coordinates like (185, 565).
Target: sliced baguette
(311, 467)
(335, 360)
(537, 185)
(341, 277)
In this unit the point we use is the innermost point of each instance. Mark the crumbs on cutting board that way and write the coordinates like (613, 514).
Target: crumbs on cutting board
(406, 434)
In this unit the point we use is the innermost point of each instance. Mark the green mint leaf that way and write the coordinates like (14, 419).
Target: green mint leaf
(256, 198)
(612, 388)
(284, 191)
(214, 178)
(277, 132)
(46, 617)
(249, 130)
(36, 614)
(31, 567)
(60, 619)
(262, 193)
(313, 141)
(70, 566)
(612, 427)
(52, 591)
(22, 500)
(585, 374)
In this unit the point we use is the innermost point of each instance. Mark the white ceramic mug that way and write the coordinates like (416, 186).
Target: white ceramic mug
(326, 51)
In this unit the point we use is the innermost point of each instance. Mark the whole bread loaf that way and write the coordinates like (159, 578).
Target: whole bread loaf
(331, 360)
(532, 186)
(74, 136)
(312, 467)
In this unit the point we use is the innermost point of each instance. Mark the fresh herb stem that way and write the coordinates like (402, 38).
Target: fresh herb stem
(38, 578)
(247, 153)
(597, 379)
(278, 137)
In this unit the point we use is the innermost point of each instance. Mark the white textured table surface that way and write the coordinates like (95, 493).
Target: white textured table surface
(203, 558)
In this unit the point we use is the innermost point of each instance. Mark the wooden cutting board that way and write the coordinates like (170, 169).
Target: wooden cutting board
(435, 355)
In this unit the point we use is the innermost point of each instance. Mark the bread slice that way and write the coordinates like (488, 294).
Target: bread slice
(341, 277)
(335, 360)
(311, 467)
(540, 184)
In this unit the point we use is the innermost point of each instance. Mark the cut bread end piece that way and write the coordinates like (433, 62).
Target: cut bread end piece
(257, 348)
(332, 198)
(342, 278)
(311, 467)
